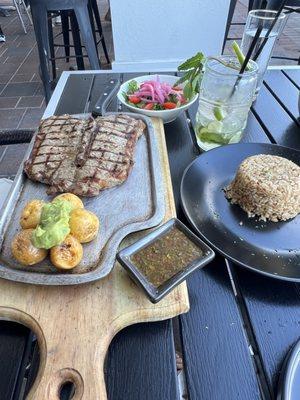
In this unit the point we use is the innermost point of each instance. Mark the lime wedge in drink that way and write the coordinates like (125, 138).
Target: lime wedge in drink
(211, 136)
(219, 113)
(215, 126)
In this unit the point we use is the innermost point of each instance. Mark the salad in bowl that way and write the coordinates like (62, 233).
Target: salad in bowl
(156, 96)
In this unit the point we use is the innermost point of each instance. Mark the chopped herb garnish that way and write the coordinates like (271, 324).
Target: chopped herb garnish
(132, 87)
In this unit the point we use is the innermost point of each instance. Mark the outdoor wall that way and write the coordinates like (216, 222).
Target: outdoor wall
(159, 34)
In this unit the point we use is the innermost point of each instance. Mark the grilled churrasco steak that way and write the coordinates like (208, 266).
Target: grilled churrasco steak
(84, 156)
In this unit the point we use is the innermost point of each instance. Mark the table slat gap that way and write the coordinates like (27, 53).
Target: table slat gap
(265, 387)
(270, 137)
(281, 103)
(293, 77)
(285, 92)
(279, 124)
(215, 349)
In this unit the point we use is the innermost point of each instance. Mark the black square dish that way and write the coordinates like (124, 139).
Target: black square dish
(154, 292)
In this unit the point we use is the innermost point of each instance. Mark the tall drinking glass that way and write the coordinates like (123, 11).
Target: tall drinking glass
(224, 101)
(264, 19)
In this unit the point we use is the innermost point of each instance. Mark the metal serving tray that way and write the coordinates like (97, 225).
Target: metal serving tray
(137, 204)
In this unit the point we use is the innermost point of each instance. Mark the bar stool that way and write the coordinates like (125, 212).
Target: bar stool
(39, 11)
(68, 20)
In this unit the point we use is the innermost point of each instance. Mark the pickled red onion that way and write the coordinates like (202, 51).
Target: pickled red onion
(154, 91)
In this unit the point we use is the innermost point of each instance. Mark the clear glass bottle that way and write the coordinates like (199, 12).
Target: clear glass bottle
(264, 18)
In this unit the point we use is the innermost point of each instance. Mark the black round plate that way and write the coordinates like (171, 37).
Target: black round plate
(270, 248)
(289, 382)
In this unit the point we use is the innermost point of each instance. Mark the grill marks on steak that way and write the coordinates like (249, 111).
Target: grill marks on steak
(84, 156)
(55, 146)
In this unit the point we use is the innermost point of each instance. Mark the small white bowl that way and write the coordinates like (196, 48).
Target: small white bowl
(165, 115)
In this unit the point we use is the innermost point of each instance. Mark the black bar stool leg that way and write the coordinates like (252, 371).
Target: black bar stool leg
(39, 16)
(51, 46)
(229, 20)
(77, 41)
(82, 16)
(95, 8)
(65, 31)
(93, 26)
(257, 4)
(105, 49)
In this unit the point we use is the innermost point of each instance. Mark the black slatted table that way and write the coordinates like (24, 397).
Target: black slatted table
(240, 326)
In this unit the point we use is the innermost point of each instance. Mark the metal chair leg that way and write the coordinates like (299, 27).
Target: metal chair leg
(229, 20)
(257, 4)
(39, 17)
(82, 16)
(90, 11)
(51, 47)
(27, 11)
(77, 41)
(19, 15)
(65, 31)
(95, 8)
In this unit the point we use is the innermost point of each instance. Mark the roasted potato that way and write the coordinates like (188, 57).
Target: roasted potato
(68, 254)
(31, 214)
(71, 198)
(24, 251)
(84, 225)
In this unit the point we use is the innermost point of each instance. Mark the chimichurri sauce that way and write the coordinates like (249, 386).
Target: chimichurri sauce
(166, 257)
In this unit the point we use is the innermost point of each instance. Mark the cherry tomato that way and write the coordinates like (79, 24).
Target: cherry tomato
(134, 99)
(149, 106)
(169, 105)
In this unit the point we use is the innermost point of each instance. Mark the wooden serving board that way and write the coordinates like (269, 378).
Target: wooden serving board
(75, 324)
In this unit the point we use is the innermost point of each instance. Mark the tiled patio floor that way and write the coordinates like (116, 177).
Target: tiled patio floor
(21, 94)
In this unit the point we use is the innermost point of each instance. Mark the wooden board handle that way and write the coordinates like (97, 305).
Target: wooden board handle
(50, 390)
(79, 360)
(69, 352)
(49, 387)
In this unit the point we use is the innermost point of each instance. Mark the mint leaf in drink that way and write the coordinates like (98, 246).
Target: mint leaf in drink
(188, 91)
(195, 83)
(192, 62)
(193, 67)
(185, 77)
